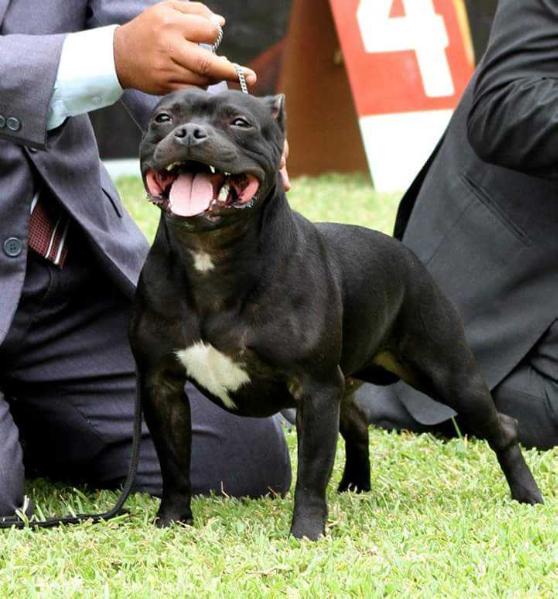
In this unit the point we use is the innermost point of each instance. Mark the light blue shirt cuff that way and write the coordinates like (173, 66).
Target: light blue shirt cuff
(86, 78)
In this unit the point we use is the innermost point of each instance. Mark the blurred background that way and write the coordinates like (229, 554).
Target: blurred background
(307, 49)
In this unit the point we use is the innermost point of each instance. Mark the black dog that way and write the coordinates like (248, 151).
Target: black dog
(263, 310)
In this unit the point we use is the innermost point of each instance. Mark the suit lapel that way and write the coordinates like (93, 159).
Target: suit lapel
(3, 8)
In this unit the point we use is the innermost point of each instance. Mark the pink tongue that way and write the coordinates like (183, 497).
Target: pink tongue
(191, 194)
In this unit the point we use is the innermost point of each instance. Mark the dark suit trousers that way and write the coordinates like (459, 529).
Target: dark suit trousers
(67, 388)
(529, 394)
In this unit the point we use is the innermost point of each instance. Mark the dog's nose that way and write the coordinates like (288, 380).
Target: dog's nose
(191, 134)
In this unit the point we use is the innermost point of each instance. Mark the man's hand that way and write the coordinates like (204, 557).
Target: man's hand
(158, 51)
(283, 167)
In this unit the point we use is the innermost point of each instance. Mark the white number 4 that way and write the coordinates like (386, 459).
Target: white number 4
(421, 30)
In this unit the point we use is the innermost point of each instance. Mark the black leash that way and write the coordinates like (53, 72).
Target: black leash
(17, 522)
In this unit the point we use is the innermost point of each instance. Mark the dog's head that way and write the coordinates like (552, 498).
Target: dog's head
(206, 158)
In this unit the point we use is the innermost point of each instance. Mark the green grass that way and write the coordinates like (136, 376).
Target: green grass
(438, 521)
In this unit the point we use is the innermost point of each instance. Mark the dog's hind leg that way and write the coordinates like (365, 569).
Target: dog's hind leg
(462, 387)
(443, 366)
(354, 429)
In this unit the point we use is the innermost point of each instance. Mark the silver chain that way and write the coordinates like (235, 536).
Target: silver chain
(218, 41)
(241, 78)
(239, 70)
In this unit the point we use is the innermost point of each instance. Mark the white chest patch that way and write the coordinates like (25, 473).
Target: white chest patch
(213, 370)
(202, 261)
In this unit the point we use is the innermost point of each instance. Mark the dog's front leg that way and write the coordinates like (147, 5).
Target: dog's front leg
(167, 413)
(317, 425)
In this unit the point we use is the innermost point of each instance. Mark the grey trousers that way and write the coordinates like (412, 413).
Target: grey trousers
(67, 390)
(529, 394)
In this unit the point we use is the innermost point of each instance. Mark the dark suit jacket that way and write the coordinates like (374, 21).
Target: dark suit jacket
(483, 214)
(64, 161)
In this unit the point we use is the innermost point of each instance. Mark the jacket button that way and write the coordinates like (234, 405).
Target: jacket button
(13, 246)
(2, 121)
(13, 123)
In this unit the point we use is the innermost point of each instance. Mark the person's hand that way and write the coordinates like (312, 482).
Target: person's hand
(158, 51)
(283, 167)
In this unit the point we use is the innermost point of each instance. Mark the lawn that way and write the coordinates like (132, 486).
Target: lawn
(438, 521)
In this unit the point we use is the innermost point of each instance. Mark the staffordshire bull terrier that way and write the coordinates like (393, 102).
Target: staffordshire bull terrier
(263, 310)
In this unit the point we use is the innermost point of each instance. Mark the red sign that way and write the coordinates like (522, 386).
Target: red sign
(404, 55)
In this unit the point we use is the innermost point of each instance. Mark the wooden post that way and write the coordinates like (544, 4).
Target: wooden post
(322, 122)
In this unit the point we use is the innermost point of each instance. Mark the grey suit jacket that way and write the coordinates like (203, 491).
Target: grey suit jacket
(483, 214)
(66, 160)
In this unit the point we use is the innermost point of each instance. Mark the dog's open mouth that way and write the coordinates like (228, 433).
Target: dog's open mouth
(192, 188)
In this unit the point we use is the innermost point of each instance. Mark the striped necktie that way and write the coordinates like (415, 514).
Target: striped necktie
(48, 230)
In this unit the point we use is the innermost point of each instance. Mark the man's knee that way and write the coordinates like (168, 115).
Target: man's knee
(232, 455)
(268, 459)
(247, 460)
(384, 409)
(236, 456)
(532, 399)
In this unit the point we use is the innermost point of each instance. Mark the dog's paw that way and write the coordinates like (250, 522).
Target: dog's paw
(530, 495)
(355, 486)
(165, 519)
(311, 529)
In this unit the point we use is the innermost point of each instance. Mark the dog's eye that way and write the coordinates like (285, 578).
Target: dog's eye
(241, 122)
(162, 117)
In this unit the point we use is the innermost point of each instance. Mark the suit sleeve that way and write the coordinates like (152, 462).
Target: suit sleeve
(28, 67)
(514, 117)
(86, 78)
(28, 70)
(110, 12)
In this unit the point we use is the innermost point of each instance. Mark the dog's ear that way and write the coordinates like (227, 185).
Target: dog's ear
(276, 105)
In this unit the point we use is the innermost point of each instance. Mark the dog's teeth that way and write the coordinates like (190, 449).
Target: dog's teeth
(171, 166)
(227, 174)
(212, 168)
(224, 194)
